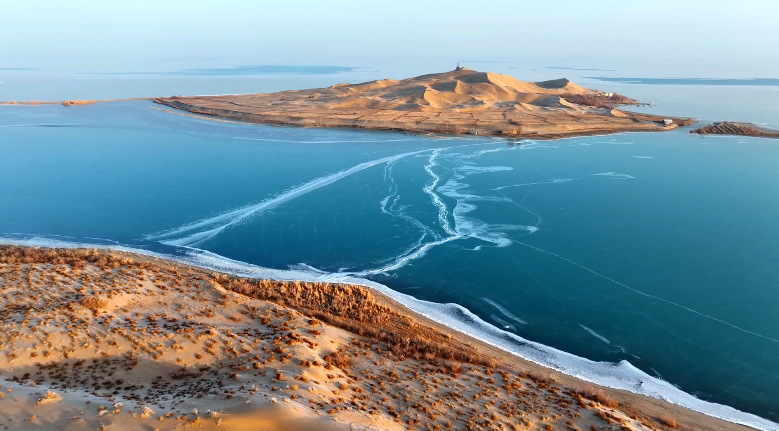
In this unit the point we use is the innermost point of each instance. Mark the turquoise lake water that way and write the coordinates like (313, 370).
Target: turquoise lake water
(655, 249)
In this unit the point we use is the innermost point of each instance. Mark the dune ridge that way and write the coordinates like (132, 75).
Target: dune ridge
(461, 101)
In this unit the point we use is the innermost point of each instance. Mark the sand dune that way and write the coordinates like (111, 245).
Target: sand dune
(462, 90)
(461, 101)
(95, 340)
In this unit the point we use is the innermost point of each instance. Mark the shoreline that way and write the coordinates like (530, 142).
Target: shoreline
(457, 102)
(728, 128)
(438, 129)
(72, 102)
(632, 402)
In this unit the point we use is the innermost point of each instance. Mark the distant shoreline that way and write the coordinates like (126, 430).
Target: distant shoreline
(559, 133)
(71, 102)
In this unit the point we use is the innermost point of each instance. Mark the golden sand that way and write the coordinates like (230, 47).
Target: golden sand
(104, 340)
(462, 101)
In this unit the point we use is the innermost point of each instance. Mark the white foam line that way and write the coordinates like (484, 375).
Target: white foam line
(462, 227)
(503, 323)
(555, 180)
(429, 189)
(232, 217)
(614, 175)
(503, 311)
(404, 259)
(618, 376)
(235, 216)
(596, 335)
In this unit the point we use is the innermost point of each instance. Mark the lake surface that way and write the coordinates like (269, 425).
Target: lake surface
(657, 252)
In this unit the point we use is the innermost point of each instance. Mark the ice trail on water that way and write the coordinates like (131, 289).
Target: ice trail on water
(393, 195)
(230, 218)
(503, 323)
(596, 335)
(503, 311)
(462, 227)
(430, 190)
(554, 180)
(391, 211)
(443, 218)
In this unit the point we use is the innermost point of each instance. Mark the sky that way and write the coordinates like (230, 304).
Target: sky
(738, 35)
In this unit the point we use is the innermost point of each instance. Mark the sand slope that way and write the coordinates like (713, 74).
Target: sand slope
(461, 101)
(92, 340)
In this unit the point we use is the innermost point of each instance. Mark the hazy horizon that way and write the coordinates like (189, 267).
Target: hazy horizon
(694, 39)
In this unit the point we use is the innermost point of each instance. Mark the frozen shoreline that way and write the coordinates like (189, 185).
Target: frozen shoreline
(622, 376)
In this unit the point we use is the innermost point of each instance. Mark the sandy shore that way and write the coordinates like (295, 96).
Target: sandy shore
(72, 102)
(462, 101)
(108, 340)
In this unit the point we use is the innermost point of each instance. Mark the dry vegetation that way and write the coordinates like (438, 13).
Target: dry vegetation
(738, 129)
(77, 102)
(355, 309)
(181, 347)
(598, 100)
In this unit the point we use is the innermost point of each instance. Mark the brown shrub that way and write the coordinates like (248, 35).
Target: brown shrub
(77, 258)
(669, 422)
(598, 395)
(184, 373)
(447, 128)
(355, 309)
(94, 303)
(597, 100)
(339, 359)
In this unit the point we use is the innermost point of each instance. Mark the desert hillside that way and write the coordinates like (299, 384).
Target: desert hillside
(462, 90)
(461, 101)
(102, 341)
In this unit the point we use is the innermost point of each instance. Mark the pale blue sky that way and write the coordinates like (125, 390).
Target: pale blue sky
(76, 33)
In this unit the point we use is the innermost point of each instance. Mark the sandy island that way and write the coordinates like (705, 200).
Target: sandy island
(462, 101)
(103, 340)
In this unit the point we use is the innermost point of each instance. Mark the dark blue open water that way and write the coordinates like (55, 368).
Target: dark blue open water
(657, 252)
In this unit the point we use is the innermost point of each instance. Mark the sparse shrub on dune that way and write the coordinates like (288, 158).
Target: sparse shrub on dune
(339, 359)
(94, 303)
(597, 100)
(669, 422)
(598, 395)
(355, 309)
(48, 397)
(77, 258)
(349, 307)
(447, 128)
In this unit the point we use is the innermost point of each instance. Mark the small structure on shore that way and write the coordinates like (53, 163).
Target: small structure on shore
(668, 121)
